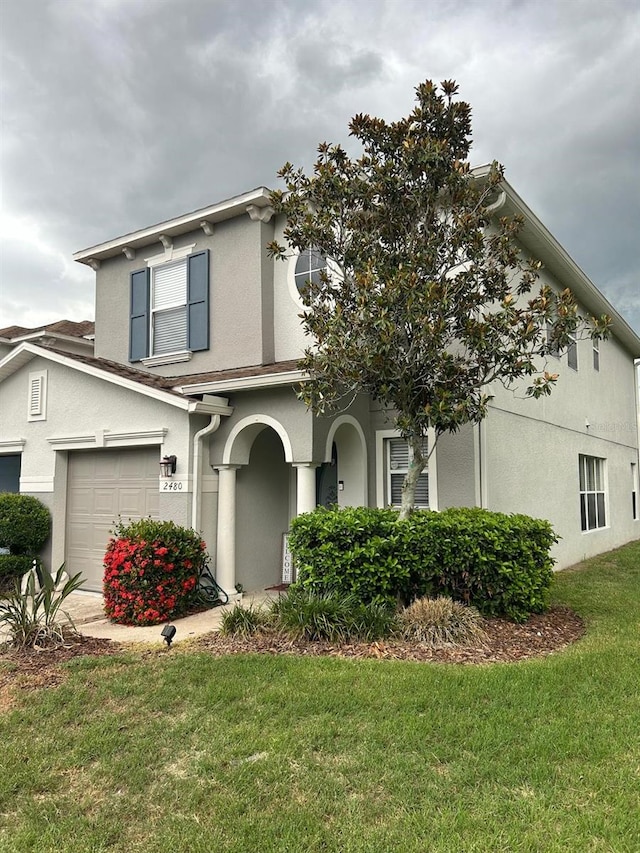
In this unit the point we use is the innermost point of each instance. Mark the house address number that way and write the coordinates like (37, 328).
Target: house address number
(173, 486)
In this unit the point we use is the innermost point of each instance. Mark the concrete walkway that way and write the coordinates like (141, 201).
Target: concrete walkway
(86, 610)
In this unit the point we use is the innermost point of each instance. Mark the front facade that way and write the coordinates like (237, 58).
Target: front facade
(197, 337)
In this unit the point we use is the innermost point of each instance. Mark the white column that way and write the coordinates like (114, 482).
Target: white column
(226, 539)
(306, 493)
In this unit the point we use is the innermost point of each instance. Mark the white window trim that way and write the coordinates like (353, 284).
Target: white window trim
(169, 255)
(596, 355)
(381, 467)
(167, 358)
(604, 490)
(39, 376)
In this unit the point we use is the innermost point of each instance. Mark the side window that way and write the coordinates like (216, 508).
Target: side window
(397, 456)
(10, 472)
(572, 353)
(592, 492)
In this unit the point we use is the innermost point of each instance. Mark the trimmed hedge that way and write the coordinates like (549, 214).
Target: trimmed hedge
(25, 523)
(352, 550)
(498, 563)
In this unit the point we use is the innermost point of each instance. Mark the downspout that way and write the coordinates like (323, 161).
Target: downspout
(196, 504)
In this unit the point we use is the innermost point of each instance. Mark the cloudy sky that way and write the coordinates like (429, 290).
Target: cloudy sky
(117, 114)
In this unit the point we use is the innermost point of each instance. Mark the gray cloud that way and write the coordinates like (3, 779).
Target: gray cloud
(120, 113)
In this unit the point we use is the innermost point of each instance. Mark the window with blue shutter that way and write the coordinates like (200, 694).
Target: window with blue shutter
(170, 307)
(198, 301)
(139, 315)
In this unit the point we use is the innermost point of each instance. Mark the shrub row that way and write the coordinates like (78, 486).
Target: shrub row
(499, 563)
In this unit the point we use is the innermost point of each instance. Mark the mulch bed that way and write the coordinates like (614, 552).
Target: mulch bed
(505, 642)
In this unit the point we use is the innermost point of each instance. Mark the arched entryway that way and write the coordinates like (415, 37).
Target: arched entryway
(263, 511)
(345, 463)
(260, 488)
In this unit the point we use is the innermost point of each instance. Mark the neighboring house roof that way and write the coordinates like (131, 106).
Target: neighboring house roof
(66, 328)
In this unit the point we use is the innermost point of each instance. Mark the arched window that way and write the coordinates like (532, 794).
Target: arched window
(309, 267)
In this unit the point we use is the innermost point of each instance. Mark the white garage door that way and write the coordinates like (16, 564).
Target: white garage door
(102, 485)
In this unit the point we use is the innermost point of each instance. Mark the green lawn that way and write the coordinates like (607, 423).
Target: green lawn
(182, 752)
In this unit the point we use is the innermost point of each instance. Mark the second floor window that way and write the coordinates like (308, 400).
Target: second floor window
(169, 307)
(309, 267)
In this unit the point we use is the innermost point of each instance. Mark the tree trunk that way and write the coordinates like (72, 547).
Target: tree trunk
(417, 463)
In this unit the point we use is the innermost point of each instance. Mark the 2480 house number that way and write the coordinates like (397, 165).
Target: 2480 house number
(173, 486)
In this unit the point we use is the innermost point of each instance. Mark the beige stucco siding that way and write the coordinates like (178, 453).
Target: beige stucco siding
(86, 412)
(240, 299)
(531, 466)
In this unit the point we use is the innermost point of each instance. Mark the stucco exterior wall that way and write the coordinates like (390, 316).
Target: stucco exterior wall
(532, 467)
(86, 412)
(240, 299)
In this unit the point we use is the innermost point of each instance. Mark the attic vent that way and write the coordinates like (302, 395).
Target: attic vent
(37, 396)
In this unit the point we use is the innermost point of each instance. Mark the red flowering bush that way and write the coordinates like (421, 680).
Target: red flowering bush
(151, 571)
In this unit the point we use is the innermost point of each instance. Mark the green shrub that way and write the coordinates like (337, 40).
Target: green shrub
(330, 615)
(32, 619)
(499, 563)
(13, 566)
(151, 571)
(243, 621)
(350, 550)
(437, 622)
(25, 523)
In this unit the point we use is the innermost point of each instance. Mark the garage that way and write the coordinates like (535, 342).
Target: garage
(101, 486)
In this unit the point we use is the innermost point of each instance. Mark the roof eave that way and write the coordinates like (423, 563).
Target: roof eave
(259, 197)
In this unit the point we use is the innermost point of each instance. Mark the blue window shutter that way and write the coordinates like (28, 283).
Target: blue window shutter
(139, 317)
(198, 301)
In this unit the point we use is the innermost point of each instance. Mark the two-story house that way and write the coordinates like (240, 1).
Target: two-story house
(197, 336)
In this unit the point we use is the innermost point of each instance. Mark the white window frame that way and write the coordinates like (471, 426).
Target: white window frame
(37, 396)
(599, 489)
(596, 354)
(635, 492)
(382, 472)
(170, 256)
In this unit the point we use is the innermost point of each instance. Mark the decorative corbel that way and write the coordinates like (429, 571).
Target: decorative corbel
(94, 263)
(260, 214)
(167, 242)
(129, 253)
(207, 227)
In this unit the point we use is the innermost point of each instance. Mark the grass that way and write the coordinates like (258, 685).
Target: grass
(185, 752)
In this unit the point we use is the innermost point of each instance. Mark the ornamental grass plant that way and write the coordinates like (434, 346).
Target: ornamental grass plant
(437, 622)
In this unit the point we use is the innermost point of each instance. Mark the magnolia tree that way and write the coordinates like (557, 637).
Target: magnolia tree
(427, 297)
